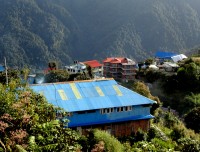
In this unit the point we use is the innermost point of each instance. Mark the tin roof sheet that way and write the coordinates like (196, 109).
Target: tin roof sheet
(88, 95)
(93, 63)
(161, 54)
(2, 68)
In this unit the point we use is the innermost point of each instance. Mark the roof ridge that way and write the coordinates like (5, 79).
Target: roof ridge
(91, 80)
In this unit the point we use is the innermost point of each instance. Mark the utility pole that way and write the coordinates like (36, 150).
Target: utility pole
(6, 72)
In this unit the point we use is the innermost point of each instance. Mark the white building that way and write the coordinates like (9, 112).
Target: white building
(77, 67)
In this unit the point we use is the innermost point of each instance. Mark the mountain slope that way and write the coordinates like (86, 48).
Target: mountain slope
(33, 32)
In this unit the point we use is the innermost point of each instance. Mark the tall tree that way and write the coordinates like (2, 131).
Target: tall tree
(28, 122)
(142, 89)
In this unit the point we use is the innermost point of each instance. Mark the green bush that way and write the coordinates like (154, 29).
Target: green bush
(163, 145)
(155, 132)
(178, 132)
(152, 133)
(140, 135)
(170, 120)
(111, 143)
(189, 102)
(192, 119)
(144, 146)
(188, 145)
(152, 76)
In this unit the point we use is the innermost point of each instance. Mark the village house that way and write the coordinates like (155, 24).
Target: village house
(123, 69)
(102, 104)
(77, 67)
(96, 67)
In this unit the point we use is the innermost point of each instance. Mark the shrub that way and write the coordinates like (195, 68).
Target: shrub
(140, 135)
(178, 132)
(155, 132)
(189, 102)
(151, 133)
(192, 119)
(161, 145)
(170, 120)
(188, 145)
(111, 143)
(144, 146)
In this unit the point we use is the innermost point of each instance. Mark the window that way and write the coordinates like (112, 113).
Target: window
(119, 109)
(128, 108)
(111, 110)
(107, 110)
(102, 111)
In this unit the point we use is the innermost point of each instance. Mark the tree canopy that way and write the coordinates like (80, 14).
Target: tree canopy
(28, 122)
(192, 119)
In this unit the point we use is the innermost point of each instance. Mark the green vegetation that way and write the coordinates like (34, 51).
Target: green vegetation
(142, 89)
(57, 76)
(179, 90)
(28, 122)
(111, 143)
(192, 119)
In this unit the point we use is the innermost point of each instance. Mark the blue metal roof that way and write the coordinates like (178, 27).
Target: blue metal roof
(163, 55)
(88, 95)
(2, 68)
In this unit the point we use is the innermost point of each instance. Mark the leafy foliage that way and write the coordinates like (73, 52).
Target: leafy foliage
(192, 119)
(52, 136)
(189, 102)
(142, 89)
(57, 76)
(12, 75)
(188, 145)
(28, 122)
(111, 143)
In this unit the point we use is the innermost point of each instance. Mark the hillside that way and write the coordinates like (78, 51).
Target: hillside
(33, 32)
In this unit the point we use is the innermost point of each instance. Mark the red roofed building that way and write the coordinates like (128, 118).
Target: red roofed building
(96, 67)
(119, 68)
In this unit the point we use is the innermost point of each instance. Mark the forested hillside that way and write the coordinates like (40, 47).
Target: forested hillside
(33, 32)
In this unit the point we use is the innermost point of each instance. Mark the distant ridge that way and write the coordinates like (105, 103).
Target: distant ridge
(34, 32)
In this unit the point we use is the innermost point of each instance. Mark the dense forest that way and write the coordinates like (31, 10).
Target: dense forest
(34, 32)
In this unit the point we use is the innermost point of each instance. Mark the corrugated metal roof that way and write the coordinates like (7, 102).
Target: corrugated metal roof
(2, 68)
(93, 63)
(161, 54)
(88, 95)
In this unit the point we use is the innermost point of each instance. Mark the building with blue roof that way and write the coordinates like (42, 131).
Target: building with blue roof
(164, 55)
(102, 104)
(2, 68)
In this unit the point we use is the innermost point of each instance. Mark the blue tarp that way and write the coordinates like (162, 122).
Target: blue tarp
(2, 68)
(164, 55)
